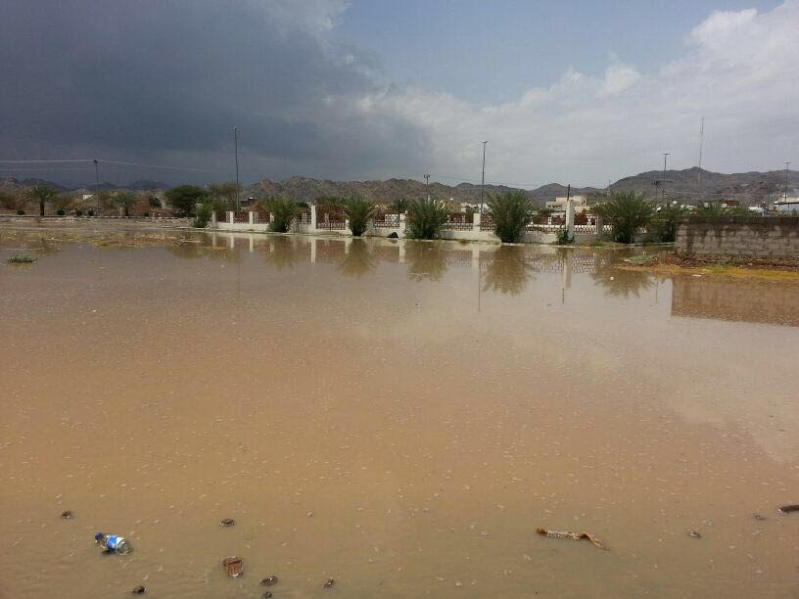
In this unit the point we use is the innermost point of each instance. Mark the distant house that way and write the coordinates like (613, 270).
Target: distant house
(559, 204)
(787, 205)
(729, 203)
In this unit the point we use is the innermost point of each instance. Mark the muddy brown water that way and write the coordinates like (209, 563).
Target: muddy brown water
(398, 416)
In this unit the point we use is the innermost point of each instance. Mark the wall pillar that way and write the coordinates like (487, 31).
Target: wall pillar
(476, 222)
(403, 224)
(599, 226)
(570, 217)
(231, 216)
(347, 226)
(213, 219)
(252, 217)
(313, 217)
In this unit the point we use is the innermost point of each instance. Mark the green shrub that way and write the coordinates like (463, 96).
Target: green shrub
(78, 212)
(184, 198)
(21, 259)
(154, 202)
(283, 210)
(713, 209)
(358, 211)
(626, 212)
(20, 212)
(203, 217)
(60, 212)
(425, 218)
(511, 212)
(90, 213)
(146, 214)
(563, 236)
(664, 223)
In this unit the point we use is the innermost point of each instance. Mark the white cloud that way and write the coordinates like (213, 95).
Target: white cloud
(739, 70)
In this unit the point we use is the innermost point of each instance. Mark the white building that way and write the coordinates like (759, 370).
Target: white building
(788, 205)
(559, 204)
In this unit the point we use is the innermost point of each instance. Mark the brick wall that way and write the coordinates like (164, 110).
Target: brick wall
(762, 240)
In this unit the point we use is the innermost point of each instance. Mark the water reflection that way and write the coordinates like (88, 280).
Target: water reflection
(426, 261)
(357, 260)
(774, 303)
(280, 252)
(621, 283)
(509, 270)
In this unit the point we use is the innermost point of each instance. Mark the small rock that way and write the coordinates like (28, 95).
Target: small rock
(227, 522)
(67, 515)
(269, 581)
(329, 583)
(694, 535)
(234, 566)
(139, 590)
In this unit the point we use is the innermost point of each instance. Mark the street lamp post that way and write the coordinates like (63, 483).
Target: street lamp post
(665, 160)
(236, 141)
(427, 186)
(483, 180)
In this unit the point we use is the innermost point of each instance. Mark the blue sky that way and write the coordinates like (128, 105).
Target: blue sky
(492, 52)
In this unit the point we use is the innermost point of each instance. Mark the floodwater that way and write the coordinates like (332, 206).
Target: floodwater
(398, 416)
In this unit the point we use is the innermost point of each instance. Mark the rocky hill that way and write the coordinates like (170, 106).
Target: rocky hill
(748, 188)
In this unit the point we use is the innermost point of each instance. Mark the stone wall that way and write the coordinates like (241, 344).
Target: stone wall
(755, 239)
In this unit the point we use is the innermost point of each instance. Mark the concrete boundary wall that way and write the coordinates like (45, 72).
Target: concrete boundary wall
(475, 233)
(745, 239)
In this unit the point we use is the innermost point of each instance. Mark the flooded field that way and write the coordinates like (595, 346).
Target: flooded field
(398, 416)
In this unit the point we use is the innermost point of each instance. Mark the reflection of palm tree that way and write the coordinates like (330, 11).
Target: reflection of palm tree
(509, 270)
(358, 261)
(425, 260)
(280, 253)
(622, 283)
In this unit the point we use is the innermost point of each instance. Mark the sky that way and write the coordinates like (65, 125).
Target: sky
(571, 92)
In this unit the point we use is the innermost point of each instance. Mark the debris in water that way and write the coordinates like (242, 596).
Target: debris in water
(139, 590)
(112, 543)
(329, 583)
(759, 517)
(234, 566)
(67, 515)
(267, 594)
(227, 522)
(694, 534)
(577, 536)
(269, 581)
(787, 509)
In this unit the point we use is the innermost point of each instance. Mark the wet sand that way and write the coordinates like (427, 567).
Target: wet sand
(398, 416)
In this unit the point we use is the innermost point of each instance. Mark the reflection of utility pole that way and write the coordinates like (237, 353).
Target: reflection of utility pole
(483, 181)
(427, 186)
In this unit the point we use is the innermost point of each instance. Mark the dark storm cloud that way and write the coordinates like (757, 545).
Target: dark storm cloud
(143, 78)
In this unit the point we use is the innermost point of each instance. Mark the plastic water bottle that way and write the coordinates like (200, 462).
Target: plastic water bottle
(113, 543)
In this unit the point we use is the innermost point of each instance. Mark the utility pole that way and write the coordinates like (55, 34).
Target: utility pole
(97, 182)
(701, 146)
(663, 187)
(483, 180)
(236, 141)
(427, 186)
(787, 164)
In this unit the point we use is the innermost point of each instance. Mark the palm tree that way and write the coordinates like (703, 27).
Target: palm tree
(126, 199)
(42, 194)
(358, 211)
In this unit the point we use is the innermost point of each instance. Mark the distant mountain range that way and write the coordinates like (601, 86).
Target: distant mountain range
(688, 184)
